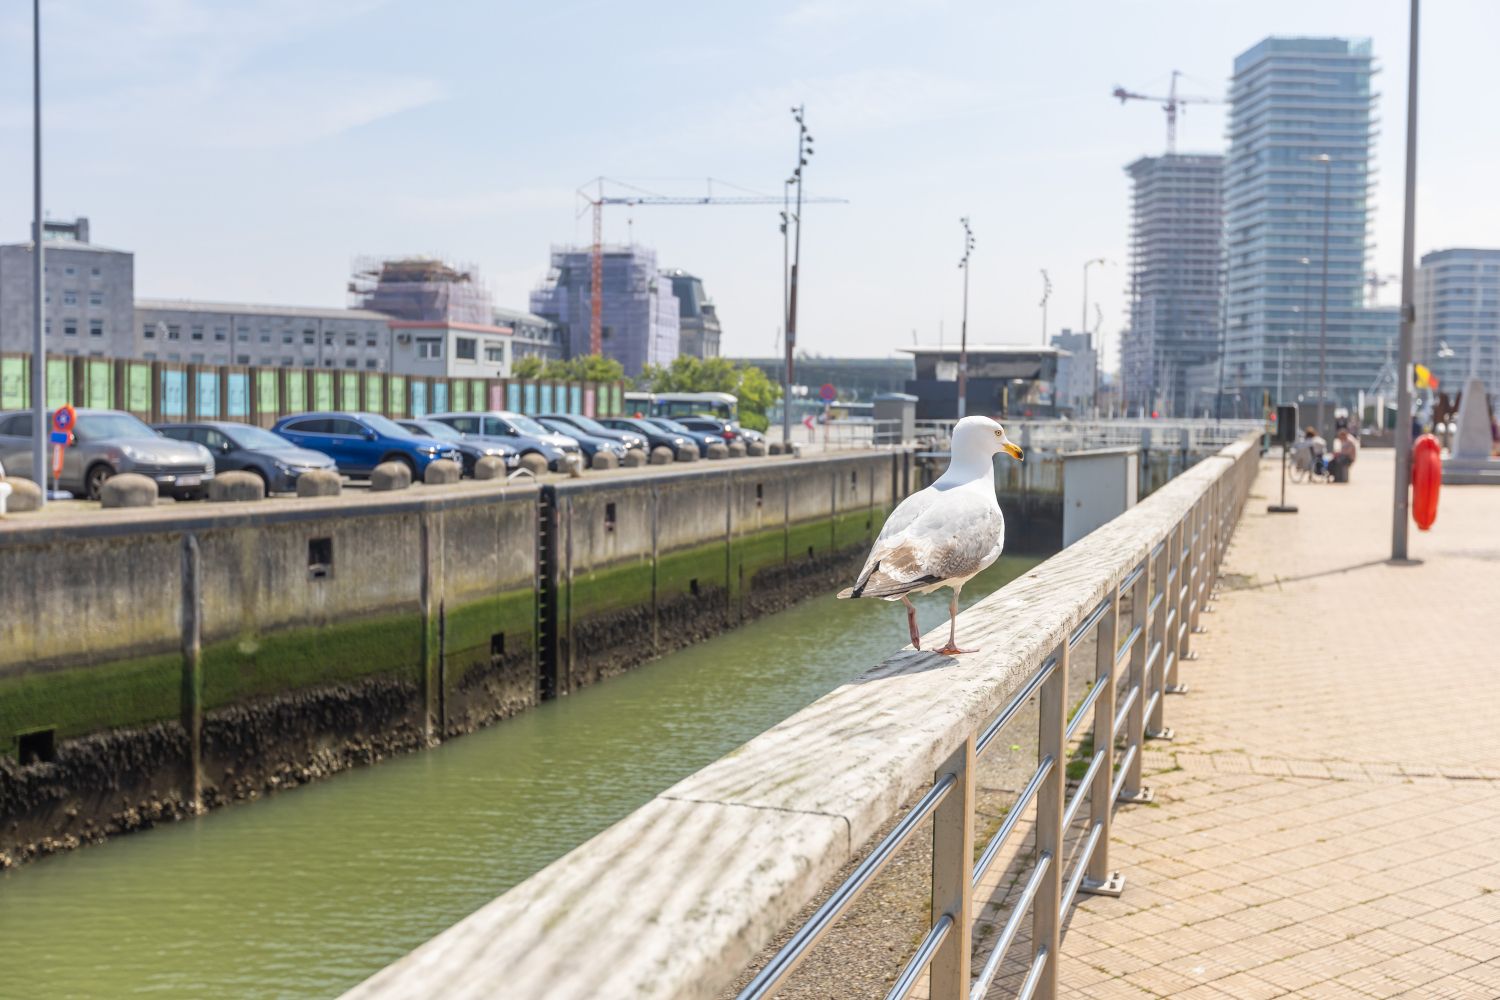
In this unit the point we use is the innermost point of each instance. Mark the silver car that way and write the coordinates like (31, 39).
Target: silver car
(107, 443)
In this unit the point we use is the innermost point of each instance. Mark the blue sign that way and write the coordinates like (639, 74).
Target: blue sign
(59, 437)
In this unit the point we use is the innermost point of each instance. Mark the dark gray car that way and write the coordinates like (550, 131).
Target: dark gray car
(107, 443)
(247, 448)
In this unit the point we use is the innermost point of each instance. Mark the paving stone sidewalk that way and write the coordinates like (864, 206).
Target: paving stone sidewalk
(1327, 820)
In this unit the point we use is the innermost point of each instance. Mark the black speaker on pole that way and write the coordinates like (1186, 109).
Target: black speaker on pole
(1286, 436)
(1286, 423)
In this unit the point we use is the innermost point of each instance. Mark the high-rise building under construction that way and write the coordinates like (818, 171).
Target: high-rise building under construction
(638, 315)
(1176, 280)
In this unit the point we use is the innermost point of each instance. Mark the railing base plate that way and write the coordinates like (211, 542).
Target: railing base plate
(1161, 734)
(1176, 689)
(1112, 886)
(1138, 797)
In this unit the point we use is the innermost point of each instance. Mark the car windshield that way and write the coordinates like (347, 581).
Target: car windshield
(528, 426)
(589, 424)
(103, 426)
(670, 425)
(256, 437)
(384, 425)
(437, 429)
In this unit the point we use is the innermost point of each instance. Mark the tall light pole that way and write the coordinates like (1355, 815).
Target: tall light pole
(963, 328)
(1046, 294)
(1408, 307)
(1083, 326)
(1327, 162)
(804, 150)
(38, 334)
(786, 382)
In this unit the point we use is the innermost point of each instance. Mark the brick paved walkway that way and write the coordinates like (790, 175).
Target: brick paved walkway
(1327, 821)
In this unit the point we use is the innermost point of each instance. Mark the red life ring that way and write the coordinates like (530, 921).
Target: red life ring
(1426, 478)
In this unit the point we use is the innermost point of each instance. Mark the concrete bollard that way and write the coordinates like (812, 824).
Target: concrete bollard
(128, 490)
(737, 449)
(489, 467)
(661, 455)
(442, 472)
(319, 483)
(756, 449)
(236, 487)
(634, 458)
(716, 452)
(688, 453)
(390, 476)
(534, 463)
(24, 496)
(777, 448)
(606, 460)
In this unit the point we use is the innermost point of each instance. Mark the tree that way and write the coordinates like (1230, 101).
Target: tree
(527, 367)
(745, 382)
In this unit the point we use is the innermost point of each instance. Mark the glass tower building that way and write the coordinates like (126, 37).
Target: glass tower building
(1293, 102)
(1458, 317)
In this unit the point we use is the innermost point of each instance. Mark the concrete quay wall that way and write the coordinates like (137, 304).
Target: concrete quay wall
(158, 662)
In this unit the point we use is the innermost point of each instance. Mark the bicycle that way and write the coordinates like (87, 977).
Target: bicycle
(1304, 468)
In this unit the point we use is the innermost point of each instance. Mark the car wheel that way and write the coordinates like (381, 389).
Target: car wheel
(93, 480)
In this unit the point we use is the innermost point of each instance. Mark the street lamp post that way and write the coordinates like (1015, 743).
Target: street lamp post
(1084, 325)
(1408, 308)
(1046, 294)
(38, 333)
(1327, 162)
(804, 150)
(963, 329)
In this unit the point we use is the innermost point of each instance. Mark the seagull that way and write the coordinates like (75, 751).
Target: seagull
(944, 535)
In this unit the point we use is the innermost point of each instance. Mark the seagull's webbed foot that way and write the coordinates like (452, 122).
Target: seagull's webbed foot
(951, 650)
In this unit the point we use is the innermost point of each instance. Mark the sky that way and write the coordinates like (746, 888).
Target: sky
(252, 150)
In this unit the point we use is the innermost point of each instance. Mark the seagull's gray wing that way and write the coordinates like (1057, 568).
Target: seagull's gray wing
(951, 537)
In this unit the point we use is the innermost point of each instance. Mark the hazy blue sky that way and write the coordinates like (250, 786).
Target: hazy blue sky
(249, 150)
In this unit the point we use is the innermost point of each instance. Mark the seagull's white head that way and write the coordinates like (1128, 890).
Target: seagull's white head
(982, 438)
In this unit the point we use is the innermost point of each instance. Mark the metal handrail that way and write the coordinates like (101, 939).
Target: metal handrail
(922, 958)
(1081, 867)
(1011, 819)
(1081, 793)
(1008, 935)
(1021, 697)
(1028, 988)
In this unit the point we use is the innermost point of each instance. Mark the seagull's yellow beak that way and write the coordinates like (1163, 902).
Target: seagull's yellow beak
(1010, 449)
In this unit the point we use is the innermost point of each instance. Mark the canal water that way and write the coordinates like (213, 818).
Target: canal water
(307, 892)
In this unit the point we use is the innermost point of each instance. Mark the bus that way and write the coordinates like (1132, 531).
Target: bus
(721, 405)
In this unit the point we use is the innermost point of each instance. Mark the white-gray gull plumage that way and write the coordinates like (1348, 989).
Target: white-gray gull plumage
(944, 535)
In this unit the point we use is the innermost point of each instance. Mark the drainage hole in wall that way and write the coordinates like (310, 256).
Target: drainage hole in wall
(609, 517)
(319, 558)
(497, 645)
(760, 494)
(38, 747)
(809, 552)
(693, 586)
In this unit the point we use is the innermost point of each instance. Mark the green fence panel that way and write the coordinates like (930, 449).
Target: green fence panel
(15, 383)
(99, 383)
(296, 392)
(59, 382)
(398, 396)
(322, 391)
(266, 401)
(374, 394)
(138, 387)
(237, 401)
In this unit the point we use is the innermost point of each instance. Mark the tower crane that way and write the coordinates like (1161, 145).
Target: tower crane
(1172, 104)
(596, 259)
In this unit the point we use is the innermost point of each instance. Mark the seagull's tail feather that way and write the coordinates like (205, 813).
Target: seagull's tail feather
(892, 589)
(846, 593)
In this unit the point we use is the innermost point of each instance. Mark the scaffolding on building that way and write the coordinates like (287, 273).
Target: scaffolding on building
(421, 289)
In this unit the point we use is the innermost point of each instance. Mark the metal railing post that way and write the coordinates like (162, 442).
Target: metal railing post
(1051, 800)
(1100, 880)
(952, 870)
(1187, 581)
(1135, 719)
(1160, 642)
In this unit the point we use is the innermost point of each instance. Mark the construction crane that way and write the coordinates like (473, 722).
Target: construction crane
(1171, 104)
(599, 200)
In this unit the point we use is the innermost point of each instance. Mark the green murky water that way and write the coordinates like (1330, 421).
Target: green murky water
(307, 892)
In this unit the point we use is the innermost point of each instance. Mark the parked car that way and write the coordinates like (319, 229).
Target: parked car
(654, 435)
(588, 425)
(360, 441)
(701, 438)
(244, 447)
(107, 443)
(472, 449)
(729, 430)
(525, 434)
(591, 444)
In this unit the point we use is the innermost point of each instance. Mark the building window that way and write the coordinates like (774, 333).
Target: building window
(372, 340)
(429, 347)
(70, 298)
(70, 328)
(288, 337)
(351, 363)
(70, 270)
(329, 363)
(495, 352)
(327, 340)
(174, 356)
(371, 363)
(94, 271)
(195, 359)
(309, 362)
(464, 348)
(196, 331)
(309, 338)
(96, 298)
(287, 362)
(351, 340)
(149, 331)
(149, 355)
(265, 361)
(265, 336)
(221, 333)
(242, 334)
(242, 359)
(96, 328)
(174, 332)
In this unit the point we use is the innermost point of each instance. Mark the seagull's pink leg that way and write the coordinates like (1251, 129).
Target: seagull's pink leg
(911, 622)
(952, 648)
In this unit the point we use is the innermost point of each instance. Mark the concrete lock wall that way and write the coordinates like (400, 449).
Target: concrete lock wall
(156, 662)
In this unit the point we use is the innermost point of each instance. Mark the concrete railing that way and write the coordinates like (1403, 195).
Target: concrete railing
(677, 899)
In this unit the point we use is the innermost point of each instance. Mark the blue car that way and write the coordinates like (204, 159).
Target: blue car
(360, 441)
